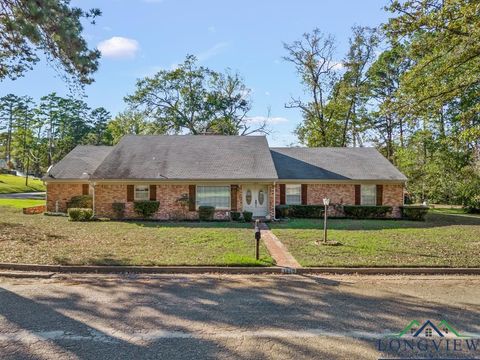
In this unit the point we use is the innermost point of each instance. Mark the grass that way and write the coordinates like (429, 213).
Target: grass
(41, 239)
(20, 203)
(15, 184)
(444, 239)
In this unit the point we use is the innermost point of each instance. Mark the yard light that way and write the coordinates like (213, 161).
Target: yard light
(326, 202)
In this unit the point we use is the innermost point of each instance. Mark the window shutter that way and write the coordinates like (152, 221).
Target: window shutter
(233, 197)
(85, 189)
(304, 194)
(130, 193)
(282, 194)
(357, 195)
(379, 195)
(153, 192)
(191, 198)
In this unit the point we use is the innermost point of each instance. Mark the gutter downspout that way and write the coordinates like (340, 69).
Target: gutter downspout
(93, 198)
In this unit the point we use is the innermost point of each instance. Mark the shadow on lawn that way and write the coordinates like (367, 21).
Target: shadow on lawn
(189, 307)
(432, 221)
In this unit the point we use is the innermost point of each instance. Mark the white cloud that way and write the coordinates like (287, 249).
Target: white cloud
(269, 120)
(119, 47)
(337, 65)
(213, 51)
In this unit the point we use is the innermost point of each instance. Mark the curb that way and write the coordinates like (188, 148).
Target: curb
(47, 271)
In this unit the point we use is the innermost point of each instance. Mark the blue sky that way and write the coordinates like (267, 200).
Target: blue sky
(138, 37)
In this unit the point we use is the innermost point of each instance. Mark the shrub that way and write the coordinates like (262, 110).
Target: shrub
(205, 213)
(247, 216)
(299, 211)
(472, 205)
(416, 213)
(235, 215)
(146, 208)
(119, 209)
(79, 214)
(80, 202)
(366, 211)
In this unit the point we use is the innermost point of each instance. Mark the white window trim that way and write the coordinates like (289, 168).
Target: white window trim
(135, 193)
(299, 186)
(361, 195)
(228, 208)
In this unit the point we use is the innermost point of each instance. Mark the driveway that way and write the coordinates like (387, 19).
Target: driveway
(227, 317)
(27, 195)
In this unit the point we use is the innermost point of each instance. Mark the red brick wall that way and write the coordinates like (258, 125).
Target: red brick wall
(167, 195)
(344, 194)
(61, 192)
(32, 210)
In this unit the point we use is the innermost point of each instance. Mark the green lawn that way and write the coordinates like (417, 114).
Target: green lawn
(44, 239)
(15, 184)
(450, 240)
(21, 203)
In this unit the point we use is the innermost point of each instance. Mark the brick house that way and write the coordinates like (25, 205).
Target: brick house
(232, 173)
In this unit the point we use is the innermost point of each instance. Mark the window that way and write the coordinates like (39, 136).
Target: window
(261, 197)
(218, 196)
(369, 194)
(428, 332)
(293, 194)
(248, 197)
(142, 192)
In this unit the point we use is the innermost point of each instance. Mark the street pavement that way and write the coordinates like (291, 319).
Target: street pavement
(229, 316)
(27, 195)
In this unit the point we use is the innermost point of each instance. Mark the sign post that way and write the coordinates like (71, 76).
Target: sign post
(326, 202)
(258, 236)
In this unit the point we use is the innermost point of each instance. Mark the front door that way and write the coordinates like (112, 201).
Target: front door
(255, 199)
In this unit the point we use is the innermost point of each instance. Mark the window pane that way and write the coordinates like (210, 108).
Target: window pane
(248, 197)
(369, 194)
(217, 196)
(142, 192)
(293, 194)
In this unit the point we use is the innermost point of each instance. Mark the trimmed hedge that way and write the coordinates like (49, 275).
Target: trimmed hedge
(235, 215)
(78, 214)
(247, 216)
(80, 202)
(416, 213)
(366, 211)
(205, 213)
(119, 209)
(146, 208)
(299, 211)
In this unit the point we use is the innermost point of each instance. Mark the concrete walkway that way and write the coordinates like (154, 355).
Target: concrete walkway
(277, 250)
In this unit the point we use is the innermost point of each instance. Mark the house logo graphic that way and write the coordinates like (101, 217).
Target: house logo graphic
(429, 338)
(428, 330)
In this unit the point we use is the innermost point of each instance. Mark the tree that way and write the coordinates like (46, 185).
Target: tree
(313, 59)
(443, 39)
(49, 26)
(12, 111)
(194, 99)
(99, 122)
(128, 123)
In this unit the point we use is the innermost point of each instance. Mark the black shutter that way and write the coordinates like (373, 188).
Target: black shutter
(233, 197)
(130, 193)
(153, 192)
(304, 194)
(192, 198)
(357, 195)
(282, 194)
(379, 195)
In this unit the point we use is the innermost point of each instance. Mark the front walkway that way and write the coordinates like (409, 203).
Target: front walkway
(277, 250)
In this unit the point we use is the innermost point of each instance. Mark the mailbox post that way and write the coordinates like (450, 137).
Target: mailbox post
(258, 236)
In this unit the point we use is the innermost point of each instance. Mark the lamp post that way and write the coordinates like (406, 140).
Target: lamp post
(326, 202)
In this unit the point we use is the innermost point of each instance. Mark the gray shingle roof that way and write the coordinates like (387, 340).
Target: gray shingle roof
(82, 159)
(333, 164)
(184, 157)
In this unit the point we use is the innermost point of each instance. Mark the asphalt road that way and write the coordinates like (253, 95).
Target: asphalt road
(228, 317)
(28, 195)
